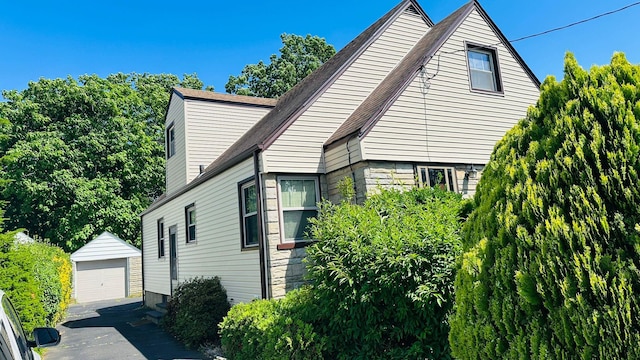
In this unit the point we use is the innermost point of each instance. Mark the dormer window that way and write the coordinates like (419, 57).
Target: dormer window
(171, 140)
(484, 71)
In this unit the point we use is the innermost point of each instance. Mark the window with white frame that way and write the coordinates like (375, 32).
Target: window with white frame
(160, 238)
(171, 140)
(249, 214)
(190, 219)
(298, 203)
(483, 68)
(441, 177)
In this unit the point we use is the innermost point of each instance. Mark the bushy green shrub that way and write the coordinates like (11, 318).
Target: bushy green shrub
(195, 310)
(37, 278)
(552, 250)
(382, 274)
(272, 329)
(19, 282)
(52, 271)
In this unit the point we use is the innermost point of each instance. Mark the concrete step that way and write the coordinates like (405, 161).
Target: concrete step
(154, 316)
(162, 307)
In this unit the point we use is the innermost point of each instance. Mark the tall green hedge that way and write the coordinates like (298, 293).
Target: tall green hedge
(382, 274)
(551, 259)
(37, 279)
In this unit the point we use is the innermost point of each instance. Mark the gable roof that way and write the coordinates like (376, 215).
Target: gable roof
(105, 246)
(295, 101)
(214, 96)
(379, 101)
(291, 104)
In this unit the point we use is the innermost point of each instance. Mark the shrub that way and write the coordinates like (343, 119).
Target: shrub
(52, 271)
(382, 274)
(19, 282)
(552, 249)
(195, 309)
(272, 329)
(37, 278)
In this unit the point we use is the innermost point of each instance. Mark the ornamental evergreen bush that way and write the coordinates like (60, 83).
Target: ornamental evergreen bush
(196, 308)
(382, 274)
(551, 259)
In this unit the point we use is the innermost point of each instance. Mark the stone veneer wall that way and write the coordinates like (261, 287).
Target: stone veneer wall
(286, 270)
(286, 267)
(135, 276)
(369, 175)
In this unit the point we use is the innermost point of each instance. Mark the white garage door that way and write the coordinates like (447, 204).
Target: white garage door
(100, 280)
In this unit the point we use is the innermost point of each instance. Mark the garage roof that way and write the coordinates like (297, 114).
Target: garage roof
(106, 246)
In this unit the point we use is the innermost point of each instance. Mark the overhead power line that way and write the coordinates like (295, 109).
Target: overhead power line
(577, 22)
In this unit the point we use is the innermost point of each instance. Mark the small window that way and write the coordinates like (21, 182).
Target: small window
(190, 217)
(483, 68)
(298, 200)
(441, 177)
(249, 214)
(171, 141)
(160, 238)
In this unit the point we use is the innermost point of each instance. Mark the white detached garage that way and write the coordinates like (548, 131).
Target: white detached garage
(106, 268)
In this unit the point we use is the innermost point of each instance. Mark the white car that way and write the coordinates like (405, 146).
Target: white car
(13, 343)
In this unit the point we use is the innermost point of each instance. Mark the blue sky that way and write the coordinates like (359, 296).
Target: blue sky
(216, 39)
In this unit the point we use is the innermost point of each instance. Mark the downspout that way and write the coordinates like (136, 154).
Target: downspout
(144, 293)
(262, 246)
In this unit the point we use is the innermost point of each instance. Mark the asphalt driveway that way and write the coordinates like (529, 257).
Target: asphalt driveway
(114, 329)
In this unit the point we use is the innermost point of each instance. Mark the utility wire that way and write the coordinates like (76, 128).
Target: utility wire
(577, 22)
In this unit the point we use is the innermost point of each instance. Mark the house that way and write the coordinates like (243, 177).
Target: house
(106, 268)
(406, 101)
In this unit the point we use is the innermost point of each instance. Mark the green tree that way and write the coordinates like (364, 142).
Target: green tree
(551, 259)
(84, 156)
(299, 57)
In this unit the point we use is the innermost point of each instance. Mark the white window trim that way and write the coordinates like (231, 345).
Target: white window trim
(188, 225)
(244, 214)
(453, 181)
(281, 209)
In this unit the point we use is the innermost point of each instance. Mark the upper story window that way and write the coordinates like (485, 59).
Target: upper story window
(190, 222)
(160, 238)
(249, 214)
(171, 140)
(483, 68)
(298, 203)
(441, 177)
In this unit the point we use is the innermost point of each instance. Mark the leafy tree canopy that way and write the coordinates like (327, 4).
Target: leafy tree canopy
(84, 156)
(552, 249)
(299, 57)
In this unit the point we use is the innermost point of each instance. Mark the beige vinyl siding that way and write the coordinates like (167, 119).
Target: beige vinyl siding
(453, 124)
(216, 251)
(176, 168)
(339, 155)
(156, 270)
(299, 148)
(212, 127)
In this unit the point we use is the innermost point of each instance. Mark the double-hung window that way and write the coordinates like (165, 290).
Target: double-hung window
(171, 140)
(249, 214)
(441, 177)
(483, 68)
(298, 203)
(160, 238)
(190, 220)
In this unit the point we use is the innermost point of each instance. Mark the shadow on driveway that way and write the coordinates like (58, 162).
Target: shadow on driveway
(115, 329)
